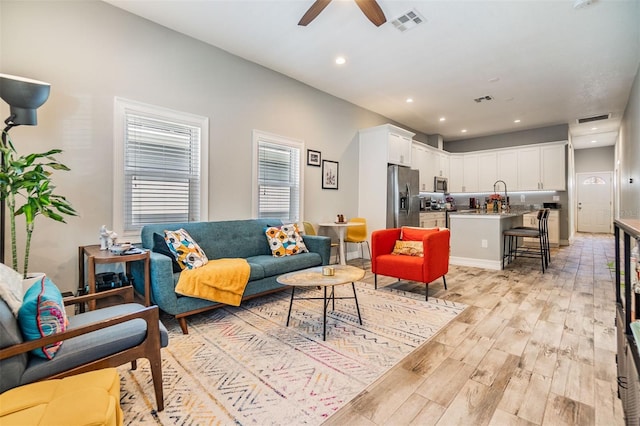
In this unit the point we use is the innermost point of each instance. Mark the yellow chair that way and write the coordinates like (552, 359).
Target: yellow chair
(91, 398)
(357, 234)
(310, 230)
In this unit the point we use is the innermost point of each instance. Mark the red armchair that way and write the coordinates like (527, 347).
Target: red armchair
(433, 265)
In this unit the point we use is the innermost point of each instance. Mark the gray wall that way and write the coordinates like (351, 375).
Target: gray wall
(91, 52)
(595, 159)
(629, 155)
(556, 133)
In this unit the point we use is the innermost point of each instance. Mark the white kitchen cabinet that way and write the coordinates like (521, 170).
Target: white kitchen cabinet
(507, 168)
(420, 160)
(552, 166)
(456, 173)
(542, 168)
(433, 219)
(528, 169)
(399, 149)
(531, 220)
(374, 145)
(487, 171)
(444, 166)
(470, 173)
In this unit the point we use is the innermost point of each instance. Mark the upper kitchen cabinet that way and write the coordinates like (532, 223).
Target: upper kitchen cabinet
(420, 161)
(487, 171)
(456, 173)
(470, 173)
(553, 167)
(389, 141)
(507, 169)
(542, 167)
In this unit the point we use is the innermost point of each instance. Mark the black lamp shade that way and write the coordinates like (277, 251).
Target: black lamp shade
(24, 96)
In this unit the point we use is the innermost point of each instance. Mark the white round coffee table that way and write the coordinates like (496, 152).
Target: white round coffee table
(313, 277)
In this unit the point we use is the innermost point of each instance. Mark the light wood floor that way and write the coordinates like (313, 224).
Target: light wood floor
(530, 349)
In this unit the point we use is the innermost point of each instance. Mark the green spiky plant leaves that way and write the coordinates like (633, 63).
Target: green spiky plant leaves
(25, 184)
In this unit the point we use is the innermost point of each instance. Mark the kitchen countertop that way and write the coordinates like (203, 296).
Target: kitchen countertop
(487, 213)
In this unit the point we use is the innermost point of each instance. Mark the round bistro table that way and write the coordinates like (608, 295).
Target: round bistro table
(313, 277)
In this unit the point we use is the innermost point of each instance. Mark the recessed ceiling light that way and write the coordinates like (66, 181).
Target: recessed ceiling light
(516, 121)
(464, 130)
(341, 60)
(494, 79)
(409, 100)
(594, 128)
(442, 119)
(594, 141)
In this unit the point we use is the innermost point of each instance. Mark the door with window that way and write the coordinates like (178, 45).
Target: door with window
(595, 202)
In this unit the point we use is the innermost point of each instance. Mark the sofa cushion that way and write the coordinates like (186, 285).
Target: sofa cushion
(160, 246)
(274, 266)
(285, 240)
(186, 251)
(42, 314)
(91, 346)
(11, 368)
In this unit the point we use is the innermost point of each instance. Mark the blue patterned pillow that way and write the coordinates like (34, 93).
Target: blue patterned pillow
(42, 314)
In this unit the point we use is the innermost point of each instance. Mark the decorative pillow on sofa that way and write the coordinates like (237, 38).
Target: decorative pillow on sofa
(187, 252)
(285, 240)
(160, 246)
(11, 288)
(42, 314)
(410, 233)
(408, 248)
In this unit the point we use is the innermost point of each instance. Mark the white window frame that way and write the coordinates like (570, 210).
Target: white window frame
(258, 135)
(121, 108)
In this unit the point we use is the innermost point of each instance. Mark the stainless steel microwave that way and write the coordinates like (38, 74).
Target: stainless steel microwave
(440, 184)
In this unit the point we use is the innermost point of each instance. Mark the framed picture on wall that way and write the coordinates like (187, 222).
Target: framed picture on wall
(313, 158)
(329, 174)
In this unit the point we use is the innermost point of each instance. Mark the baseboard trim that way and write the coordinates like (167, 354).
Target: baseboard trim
(476, 263)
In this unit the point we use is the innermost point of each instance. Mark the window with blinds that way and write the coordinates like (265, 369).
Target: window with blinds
(162, 168)
(278, 178)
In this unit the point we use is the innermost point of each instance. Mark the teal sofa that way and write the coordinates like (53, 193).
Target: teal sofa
(224, 239)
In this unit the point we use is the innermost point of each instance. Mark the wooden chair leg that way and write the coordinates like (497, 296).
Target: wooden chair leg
(156, 375)
(134, 364)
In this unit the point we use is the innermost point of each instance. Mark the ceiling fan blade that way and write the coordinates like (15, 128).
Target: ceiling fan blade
(372, 10)
(313, 12)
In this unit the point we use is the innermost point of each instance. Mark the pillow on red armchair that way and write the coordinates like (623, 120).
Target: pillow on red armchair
(408, 248)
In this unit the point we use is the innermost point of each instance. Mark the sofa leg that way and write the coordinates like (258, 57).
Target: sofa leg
(445, 282)
(183, 325)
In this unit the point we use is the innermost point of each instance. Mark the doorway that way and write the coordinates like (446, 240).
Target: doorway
(595, 202)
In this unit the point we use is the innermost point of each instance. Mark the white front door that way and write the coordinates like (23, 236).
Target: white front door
(595, 202)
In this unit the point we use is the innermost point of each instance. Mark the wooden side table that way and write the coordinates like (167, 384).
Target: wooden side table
(95, 255)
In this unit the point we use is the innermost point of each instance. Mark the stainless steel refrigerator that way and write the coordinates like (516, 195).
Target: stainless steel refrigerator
(403, 198)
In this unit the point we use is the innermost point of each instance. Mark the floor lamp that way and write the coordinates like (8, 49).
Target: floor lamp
(24, 96)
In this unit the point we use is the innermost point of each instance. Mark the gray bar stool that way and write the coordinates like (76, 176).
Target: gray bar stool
(510, 241)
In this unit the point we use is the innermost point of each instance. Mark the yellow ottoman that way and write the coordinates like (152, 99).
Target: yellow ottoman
(91, 398)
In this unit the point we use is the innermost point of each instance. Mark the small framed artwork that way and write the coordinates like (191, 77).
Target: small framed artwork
(329, 174)
(313, 158)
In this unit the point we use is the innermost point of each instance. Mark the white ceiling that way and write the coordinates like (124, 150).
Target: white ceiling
(543, 62)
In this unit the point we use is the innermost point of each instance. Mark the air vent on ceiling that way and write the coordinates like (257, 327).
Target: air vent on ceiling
(594, 118)
(408, 20)
(483, 98)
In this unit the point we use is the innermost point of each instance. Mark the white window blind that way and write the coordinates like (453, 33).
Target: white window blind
(279, 180)
(161, 171)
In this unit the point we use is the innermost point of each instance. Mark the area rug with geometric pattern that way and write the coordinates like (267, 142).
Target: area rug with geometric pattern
(242, 365)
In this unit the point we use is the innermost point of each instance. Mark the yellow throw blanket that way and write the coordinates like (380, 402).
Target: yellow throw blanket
(220, 280)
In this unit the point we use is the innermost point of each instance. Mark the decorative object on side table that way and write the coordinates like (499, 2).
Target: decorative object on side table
(329, 174)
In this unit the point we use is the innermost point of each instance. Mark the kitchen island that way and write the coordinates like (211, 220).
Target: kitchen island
(476, 237)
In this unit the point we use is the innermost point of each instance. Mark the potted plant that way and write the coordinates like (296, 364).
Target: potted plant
(25, 183)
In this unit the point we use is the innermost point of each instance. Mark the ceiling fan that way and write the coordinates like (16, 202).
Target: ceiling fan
(370, 8)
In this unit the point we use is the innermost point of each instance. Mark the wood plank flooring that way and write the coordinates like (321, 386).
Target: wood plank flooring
(531, 349)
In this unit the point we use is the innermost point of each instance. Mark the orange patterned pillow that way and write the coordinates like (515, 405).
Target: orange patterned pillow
(285, 240)
(408, 248)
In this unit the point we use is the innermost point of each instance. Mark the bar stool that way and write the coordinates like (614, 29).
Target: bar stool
(545, 220)
(510, 242)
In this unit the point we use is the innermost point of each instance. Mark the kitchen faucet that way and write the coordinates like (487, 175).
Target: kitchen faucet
(506, 205)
